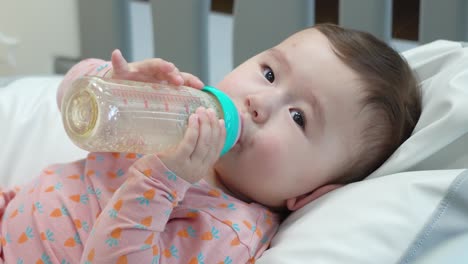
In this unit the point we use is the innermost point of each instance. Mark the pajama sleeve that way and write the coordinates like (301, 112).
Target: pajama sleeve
(85, 67)
(137, 225)
(129, 226)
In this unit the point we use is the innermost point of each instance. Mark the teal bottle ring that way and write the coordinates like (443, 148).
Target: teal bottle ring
(231, 117)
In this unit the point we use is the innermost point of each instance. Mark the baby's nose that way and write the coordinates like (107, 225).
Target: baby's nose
(252, 111)
(257, 109)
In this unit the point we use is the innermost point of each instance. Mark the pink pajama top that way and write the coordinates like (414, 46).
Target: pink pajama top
(126, 208)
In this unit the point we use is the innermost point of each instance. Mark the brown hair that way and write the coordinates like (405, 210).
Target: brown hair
(391, 92)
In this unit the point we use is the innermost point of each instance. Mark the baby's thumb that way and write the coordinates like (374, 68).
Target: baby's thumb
(119, 64)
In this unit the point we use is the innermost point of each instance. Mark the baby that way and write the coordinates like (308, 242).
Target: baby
(322, 109)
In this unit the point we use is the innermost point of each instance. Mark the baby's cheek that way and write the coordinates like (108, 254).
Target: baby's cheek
(270, 149)
(228, 84)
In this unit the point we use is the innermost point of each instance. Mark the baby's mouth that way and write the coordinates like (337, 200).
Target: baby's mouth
(240, 140)
(243, 119)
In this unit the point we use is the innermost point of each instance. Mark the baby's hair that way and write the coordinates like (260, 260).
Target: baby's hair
(391, 93)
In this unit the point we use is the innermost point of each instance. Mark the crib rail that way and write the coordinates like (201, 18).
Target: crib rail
(180, 27)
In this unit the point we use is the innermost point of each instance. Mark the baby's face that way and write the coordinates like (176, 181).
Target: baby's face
(301, 120)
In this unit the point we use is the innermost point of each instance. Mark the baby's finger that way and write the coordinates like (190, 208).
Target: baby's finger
(174, 77)
(191, 80)
(204, 139)
(162, 71)
(187, 146)
(222, 136)
(119, 64)
(153, 67)
(217, 139)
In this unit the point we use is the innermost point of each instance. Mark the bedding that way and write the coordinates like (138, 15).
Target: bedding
(4, 81)
(31, 133)
(413, 209)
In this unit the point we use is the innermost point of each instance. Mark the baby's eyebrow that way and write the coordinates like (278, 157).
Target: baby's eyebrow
(317, 107)
(279, 56)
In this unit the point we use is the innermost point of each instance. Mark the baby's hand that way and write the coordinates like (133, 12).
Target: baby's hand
(200, 148)
(151, 70)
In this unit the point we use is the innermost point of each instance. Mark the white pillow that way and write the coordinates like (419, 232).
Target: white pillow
(413, 209)
(31, 131)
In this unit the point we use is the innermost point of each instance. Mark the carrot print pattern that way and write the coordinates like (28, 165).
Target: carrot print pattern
(258, 232)
(227, 260)
(147, 196)
(268, 217)
(232, 225)
(58, 186)
(145, 223)
(148, 241)
(79, 198)
(113, 240)
(58, 212)
(74, 176)
(214, 193)
(188, 232)
(265, 239)
(198, 260)
(122, 260)
(17, 211)
(81, 224)
(193, 213)
(235, 241)
(210, 235)
(6, 240)
(229, 206)
(115, 209)
(131, 156)
(47, 236)
(99, 158)
(48, 172)
(217, 193)
(101, 67)
(45, 259)
(147, 172)
(171, 252)
(114, 175)
(73, 241)
(78, 176)
(156, 256)
(26, 235)
(90, 257)
(14, 213)
(90, 190)
(171, 175)
(253, 228)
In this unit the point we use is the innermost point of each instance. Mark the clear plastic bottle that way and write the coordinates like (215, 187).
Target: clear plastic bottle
(108, 115)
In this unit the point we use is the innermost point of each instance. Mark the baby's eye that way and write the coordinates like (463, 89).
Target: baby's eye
(298, 117)
(268, 73)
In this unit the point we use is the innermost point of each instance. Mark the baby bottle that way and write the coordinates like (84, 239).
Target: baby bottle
(108, 115)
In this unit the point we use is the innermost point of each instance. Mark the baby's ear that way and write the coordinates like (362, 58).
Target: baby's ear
(296, 203)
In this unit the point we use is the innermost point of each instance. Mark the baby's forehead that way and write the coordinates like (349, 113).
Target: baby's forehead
(306, 36)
